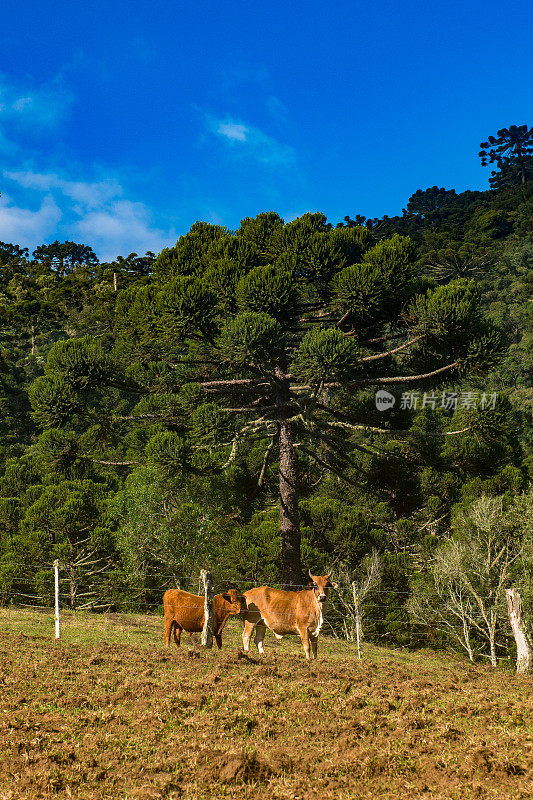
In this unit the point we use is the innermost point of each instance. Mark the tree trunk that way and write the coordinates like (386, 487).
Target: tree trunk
(493, 659)
(466, 634)
(524, 650)
(289, 522)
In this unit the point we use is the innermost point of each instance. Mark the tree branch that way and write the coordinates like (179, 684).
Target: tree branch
(377, 356)
(114, 463)
(373, 381)
(238, 385)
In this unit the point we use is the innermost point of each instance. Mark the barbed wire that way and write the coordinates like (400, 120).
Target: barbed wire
(132, 608)
(99, 584)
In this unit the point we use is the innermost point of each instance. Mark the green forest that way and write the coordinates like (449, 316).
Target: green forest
(351, 396)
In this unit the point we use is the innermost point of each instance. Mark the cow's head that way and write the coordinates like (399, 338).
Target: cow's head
(235, 602)
(321, 586)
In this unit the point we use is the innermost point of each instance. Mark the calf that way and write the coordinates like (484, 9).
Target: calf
(299, 613)
(185, 612)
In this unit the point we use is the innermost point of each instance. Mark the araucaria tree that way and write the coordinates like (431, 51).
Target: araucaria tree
(512, 152)
(266, 334)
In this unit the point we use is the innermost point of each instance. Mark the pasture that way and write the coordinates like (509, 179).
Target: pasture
(108, 712)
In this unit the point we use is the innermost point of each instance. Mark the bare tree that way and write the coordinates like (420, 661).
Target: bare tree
(469, 575)
(352, 604)
(446, 608)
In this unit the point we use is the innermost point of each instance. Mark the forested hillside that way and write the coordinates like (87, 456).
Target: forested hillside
(215, 406)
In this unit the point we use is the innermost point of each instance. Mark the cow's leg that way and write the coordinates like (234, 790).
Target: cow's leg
(218, 640)
(168, 628)
(314, 642)
(177, 634)
(249, 626)
(305, 641)
(260, 630)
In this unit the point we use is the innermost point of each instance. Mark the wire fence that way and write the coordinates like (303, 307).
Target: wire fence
(191, 579)
(383, 612)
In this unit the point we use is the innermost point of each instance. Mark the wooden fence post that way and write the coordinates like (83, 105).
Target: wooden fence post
(207, 632)
(524, 653)
(56, 583)
(357, 613)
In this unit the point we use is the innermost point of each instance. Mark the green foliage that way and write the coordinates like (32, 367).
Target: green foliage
(358, 291)
(169, 453)
(394, 256)
(222, 278)
(426, 203)
(490, 223)
(187, 307)
(67, 521)
(268, 290)
(53, 400)
(488, 441)
(352, 242)
(136, 318)
(457, 260)
(261, 231)
(449, 320)
(520, 516)
(207, 425)
(162, 538)
(65, 256)
(312, 262)
(250, 554)
(147, 391)
(81, 362)
(252, 339)
(512, 152)
(58, 453)
(325, 354)
(191, 253)
(341, 531)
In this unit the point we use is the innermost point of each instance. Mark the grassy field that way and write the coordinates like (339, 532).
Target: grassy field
(108, 712)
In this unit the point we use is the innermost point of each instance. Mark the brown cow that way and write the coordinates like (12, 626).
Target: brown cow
(299, 613)
(185, 612)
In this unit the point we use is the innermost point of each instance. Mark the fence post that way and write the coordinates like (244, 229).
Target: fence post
(357, 613)
(56, 583)
(207, 632)
(524, 652)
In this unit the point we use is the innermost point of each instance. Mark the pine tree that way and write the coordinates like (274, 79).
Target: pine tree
(512, 152)
(262, 335)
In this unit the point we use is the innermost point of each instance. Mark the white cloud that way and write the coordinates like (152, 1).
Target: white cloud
(86, 193)
(233, 131)
(23, 226)
(53, 204)
(42, 106)
(121, 228)
(93, 212)
(251, 142)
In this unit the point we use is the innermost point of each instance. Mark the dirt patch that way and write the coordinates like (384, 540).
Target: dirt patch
(130, 722)
(234, 768)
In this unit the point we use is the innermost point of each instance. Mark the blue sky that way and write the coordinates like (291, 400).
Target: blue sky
(123, 122)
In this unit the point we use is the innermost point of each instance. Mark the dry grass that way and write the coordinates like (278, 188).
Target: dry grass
(107, 712)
